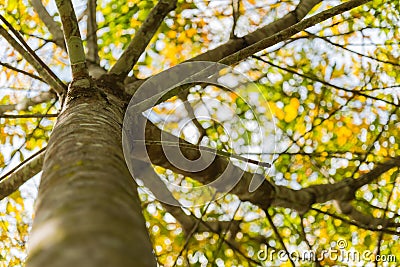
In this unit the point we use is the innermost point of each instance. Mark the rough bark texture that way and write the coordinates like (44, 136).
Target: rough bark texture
(88, 212)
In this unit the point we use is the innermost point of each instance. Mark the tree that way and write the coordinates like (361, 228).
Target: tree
(326, 73)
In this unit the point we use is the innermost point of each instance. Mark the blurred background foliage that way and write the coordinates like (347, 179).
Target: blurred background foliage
(326, 100)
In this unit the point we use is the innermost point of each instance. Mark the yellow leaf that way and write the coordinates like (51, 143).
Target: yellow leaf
(182, 37)
(291, 110)
(341, 140)
(124, 9)
(10, 208)
(135, 23)
(191, 32)
(277, 111)
(295, 102)
(171, 34)
(336, 73)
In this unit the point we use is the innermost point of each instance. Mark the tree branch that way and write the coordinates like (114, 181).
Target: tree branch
(142, 38)
(20, 174)
(302, 199)
(278, 236)
(235, 16)
(355, 223)
(93, 60)
(74, 42)
(374, 173)
(237, 44)
(267, 194)
(27, 116)
(192, 116)
(189, 221)
(8, 66)
(93, 48)
(288, 32)
(30, 56)
(316, 79)
(28, 102)
(51, 25)
(223, 54)
(93, 64)
(348, 209)
(326, 39)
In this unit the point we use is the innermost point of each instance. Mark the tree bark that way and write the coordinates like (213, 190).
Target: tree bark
(88, 211)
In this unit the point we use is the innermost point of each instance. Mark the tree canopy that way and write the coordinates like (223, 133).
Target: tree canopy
(317, 117)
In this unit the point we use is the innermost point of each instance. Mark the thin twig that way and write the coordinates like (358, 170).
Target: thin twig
(208, 149)
(380, 238)
(21, 173)
(193, 231)
(366, 227)
(29, 55)
(352, 51)
(356, 92)
(21, 164)
(25, 103)
(202, 132)
(235, 15)
(93, 48)
(27, 116)
(288, 32)
(29, 49)
(303, 233)
(278, 235)
(221, 239)
(8, 66)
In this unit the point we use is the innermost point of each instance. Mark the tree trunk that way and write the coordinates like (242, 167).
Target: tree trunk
(88, 211)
